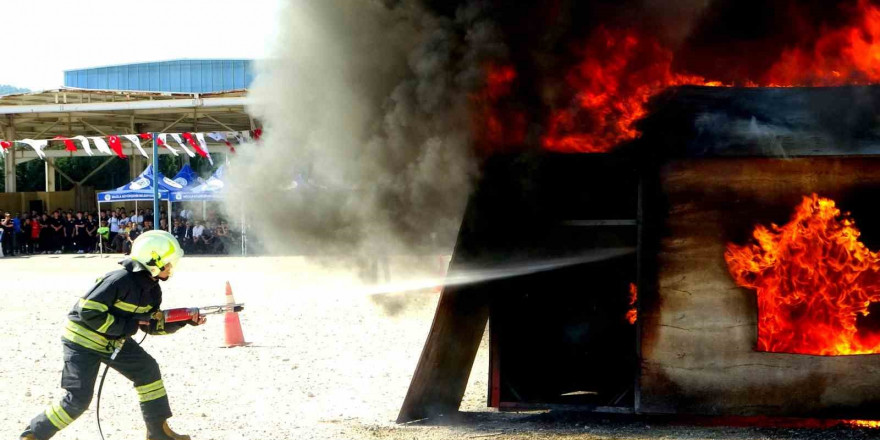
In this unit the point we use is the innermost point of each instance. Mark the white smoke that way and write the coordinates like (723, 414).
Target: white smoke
(366, 113)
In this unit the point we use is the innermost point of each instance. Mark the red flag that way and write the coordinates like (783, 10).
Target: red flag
(68, 144)
(5, 145)
(231, 148)
(159, 141)
(146, 136)
(192, 142)
(257, 133)
(116, 146)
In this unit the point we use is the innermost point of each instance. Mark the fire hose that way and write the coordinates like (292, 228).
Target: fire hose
(169, 316)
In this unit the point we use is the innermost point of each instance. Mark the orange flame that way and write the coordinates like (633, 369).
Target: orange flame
(496, 127)
(632, 314)
(813, 279)
(622, 69)
(849, 55)
(872, 424)
(620, 72)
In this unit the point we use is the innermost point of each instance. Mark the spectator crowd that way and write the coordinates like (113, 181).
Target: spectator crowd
(108, 231)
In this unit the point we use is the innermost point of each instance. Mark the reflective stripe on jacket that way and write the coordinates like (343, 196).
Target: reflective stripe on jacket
(113, 308)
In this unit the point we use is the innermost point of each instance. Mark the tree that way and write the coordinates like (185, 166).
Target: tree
(8, 90)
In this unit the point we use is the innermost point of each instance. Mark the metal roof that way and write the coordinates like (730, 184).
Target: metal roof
(71, 112)
(187, 75)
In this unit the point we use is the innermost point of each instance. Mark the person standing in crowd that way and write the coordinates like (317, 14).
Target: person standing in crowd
(224, 239)
(57, 232)
(134, 231)
(16, 234)
(113, 225)
(103, 237)
(124, 220)
(79, 233)
(91, 233)
(188, 238)
(133, 218)
(21, 237)
(34, 236)
(6, 239)
(45, 234)
(69, 239)
(179, 231)
(119, 241)
(207, 241)
(197, 232)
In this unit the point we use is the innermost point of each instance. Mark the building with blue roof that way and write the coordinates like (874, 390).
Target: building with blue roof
(176, 76)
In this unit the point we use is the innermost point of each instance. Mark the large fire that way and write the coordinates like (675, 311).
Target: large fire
(848, 55)
(813, 279)
(621, 69)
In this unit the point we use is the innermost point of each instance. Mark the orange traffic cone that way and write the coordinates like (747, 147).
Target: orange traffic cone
(234, 336)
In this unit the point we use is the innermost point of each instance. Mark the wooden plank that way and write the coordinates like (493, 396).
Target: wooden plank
(440, 379)
(700, 330)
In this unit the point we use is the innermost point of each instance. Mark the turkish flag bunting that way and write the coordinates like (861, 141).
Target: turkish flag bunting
(116, 146)
(5, 145)
(192, 142)
(68, 143)
(145, 136)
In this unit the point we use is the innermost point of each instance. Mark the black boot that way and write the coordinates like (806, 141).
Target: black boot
(159, 430)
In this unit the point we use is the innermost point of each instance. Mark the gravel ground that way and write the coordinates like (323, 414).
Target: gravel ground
(329, 358)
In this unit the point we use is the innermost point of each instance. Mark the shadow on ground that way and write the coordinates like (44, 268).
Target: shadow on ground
(581, 425)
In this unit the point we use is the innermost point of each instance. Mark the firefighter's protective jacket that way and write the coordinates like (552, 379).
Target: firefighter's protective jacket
(112, 310)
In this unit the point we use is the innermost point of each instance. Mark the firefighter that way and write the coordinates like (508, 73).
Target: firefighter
(99, 330)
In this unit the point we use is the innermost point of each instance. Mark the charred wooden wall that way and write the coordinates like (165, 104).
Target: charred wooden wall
(698, 329)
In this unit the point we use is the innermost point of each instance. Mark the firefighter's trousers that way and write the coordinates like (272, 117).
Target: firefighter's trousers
(78, 378)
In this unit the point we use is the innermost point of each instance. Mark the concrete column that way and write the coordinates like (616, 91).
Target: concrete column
(9, 162)
(136, 166)
(50, 177)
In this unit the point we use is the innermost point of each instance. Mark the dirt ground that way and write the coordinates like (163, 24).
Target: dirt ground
(330, 358)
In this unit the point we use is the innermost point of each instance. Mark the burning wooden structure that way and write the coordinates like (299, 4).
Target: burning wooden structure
(711, 165)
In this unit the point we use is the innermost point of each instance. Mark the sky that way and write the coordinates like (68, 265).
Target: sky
(43, 38)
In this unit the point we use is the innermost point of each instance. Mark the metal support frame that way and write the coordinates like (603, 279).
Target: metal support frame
(92, 127)
(156, 181)
(176, 121)
(220, 123)
(9, 159)
(42, 132)
(51, 162)
(127, 105)
(95, 171)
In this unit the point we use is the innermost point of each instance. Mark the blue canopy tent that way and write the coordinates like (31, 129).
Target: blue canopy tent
(187, 178)
(141, 189)
(210, 190)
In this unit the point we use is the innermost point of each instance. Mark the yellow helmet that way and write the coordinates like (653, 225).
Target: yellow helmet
(155, 249)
